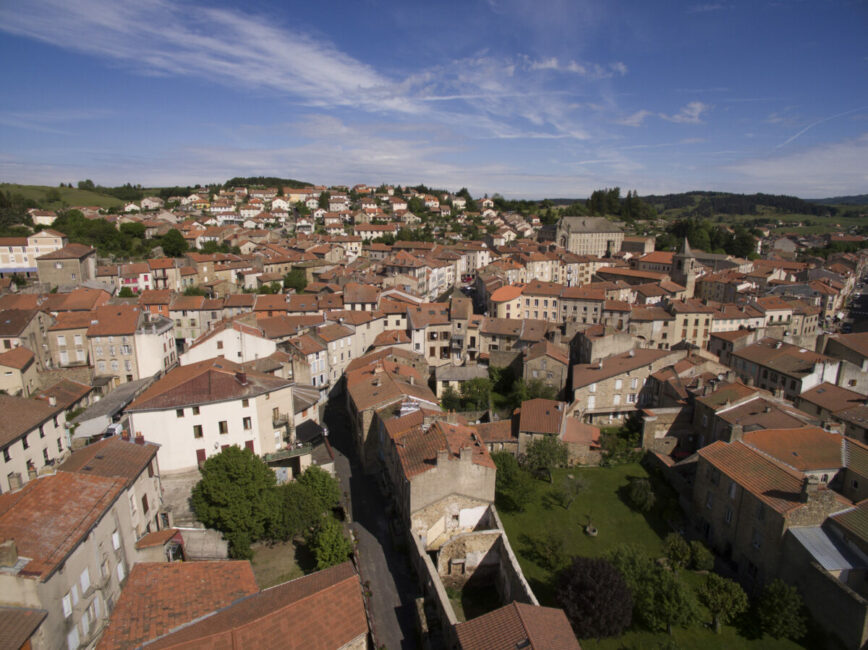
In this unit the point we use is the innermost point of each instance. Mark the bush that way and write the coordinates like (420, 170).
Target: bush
(779, 611)
(677, 551)
(701, 559)
(595, 598)
(330, 546)
(641, 494)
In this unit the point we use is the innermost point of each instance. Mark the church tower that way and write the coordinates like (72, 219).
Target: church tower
(684, 268)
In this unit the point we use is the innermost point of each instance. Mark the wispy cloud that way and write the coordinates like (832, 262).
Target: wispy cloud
(589, 70)
(824, 170)
(810, 126)
(690, 114)
(636, 119)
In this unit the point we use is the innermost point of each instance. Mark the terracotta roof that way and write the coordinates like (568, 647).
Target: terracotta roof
(155, 297)
(21, 415)
(114, 320)
(770, 481)
(68, 252)
(858, 342)
(47, 525)
(66, 392)
(781, 357)
(577, 432)
(391, 337)
(506, 292)
(727, 393)
(14, 321)
(832, 398)
(18, 358)
(161, 596)
(854, 521)
(417, 448)
(547, 348)
(369, 388)
(158, 538)
(331, 333)
(585, 374)
(212, 380)
(518, 625)
(18, 624)
(320, 611)
(804, 449)
(112, 457)
(541, 416)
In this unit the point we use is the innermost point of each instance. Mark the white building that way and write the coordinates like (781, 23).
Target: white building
(195, 411)
(18, 254)
(233, 340)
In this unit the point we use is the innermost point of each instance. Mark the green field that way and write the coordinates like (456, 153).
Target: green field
(68, 196)
(616, 523)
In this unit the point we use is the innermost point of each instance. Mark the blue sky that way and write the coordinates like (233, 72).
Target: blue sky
(528, 99)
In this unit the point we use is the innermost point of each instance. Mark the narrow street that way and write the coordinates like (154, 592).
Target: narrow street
(384, 569)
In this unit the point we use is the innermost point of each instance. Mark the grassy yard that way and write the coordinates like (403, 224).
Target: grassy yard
(604, 502)
(274, 564)
(68, 196)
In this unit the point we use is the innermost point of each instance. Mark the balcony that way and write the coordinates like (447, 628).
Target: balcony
(290, 452)
(279, 419)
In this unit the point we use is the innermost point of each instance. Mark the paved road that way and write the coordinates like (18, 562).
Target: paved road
(386, 570)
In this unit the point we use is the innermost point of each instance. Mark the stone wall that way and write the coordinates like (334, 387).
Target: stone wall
(665, 428)
(469, 556)
(511, 583)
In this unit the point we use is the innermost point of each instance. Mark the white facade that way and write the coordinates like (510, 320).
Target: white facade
(46, 443)
(191, 434)
(21, 257)
(232, 345)
(155, 348)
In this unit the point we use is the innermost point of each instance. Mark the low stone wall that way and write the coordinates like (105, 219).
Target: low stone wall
(511, 583)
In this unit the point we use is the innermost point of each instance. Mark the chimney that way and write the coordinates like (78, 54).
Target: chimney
(140, 439)
(241, 377)
(442, 456)
(810, 488)
(125, 435)
(736, 432)
(465, 455)
(52, 400)
(8, 553)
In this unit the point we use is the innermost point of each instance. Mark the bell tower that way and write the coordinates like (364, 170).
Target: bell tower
(684, 268)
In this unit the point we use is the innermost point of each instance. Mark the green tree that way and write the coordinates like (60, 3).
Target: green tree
(133, 229)
(324, 200)
(298, 511)
(323, 486)
(567, 490)
(523, 391)
(173, 243)
(701, 559)
(330, 546)
(52, 196)
(634, 564)
(513, 487)
(195, 291)
(595, 598)
(664, 601)
(126, 292)
(779, 611)
(724, 598)
(450, 400)
(86, 185)
(641, 494)
(475, 393)
(677, 551)
(236, 496)
(295, 279)
(544, 454)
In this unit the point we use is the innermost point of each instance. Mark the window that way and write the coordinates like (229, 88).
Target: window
(145, 503)
(727, 517)
(247, 423)
(197, 430)
(67, 605)
(756, 539)
(709, 500)
(116, 540)
(732, 489)
(219, 345)
(85, 580)
(121, 572)
(61, 339)
(195, 410)
(223, 426)
(634, 383)
(245, 403)
(631, 398)
(59, 445)
(72, 641)
(760, 512)
(24, 442)
(592, 388)
(179, 413)
(618, 384)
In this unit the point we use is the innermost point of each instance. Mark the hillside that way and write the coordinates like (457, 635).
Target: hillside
(68, 196)
(855, 199)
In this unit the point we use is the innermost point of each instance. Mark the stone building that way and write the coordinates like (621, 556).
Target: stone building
(70, 266)
(589, 236)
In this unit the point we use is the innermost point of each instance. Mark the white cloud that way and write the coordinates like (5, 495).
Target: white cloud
(824, 170)
(588, 70)
(636, 119)
(690, 114)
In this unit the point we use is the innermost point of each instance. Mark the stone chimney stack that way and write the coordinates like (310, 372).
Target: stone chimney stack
(810, 488)
(442, 457)
(736, 433)
(8, 553)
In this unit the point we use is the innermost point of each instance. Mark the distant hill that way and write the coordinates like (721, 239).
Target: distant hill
(707, 204)
(265, 181)
(69, 196)
(855, 199)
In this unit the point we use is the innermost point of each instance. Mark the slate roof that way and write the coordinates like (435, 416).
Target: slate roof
(160, 596)
(518, 625)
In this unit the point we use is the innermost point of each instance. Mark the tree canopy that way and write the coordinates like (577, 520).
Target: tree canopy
(779, 611)
(330, 546)
(545, 454)
(725, 599)
(236, 496)
(595, 598)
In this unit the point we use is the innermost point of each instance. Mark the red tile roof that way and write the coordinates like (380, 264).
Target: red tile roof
(805, 449)
(518, 625)
(47, 524)
(321, 611)
(18, 358)
(112, 457)
(161, 596)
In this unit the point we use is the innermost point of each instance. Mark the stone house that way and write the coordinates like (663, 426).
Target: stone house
(70, 266)
(18, 372)
(548, 363)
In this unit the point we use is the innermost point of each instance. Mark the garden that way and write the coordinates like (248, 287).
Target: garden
(603, 544)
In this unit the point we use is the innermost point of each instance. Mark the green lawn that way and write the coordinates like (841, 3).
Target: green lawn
(274, 564)
(69, 196)
(615, 522)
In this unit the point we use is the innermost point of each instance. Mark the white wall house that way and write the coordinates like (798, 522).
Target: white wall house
(197, 410)
(234, 341)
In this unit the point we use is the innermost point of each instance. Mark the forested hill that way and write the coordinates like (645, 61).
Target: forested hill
(707, 204)
(265, 181)
(855, 199)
